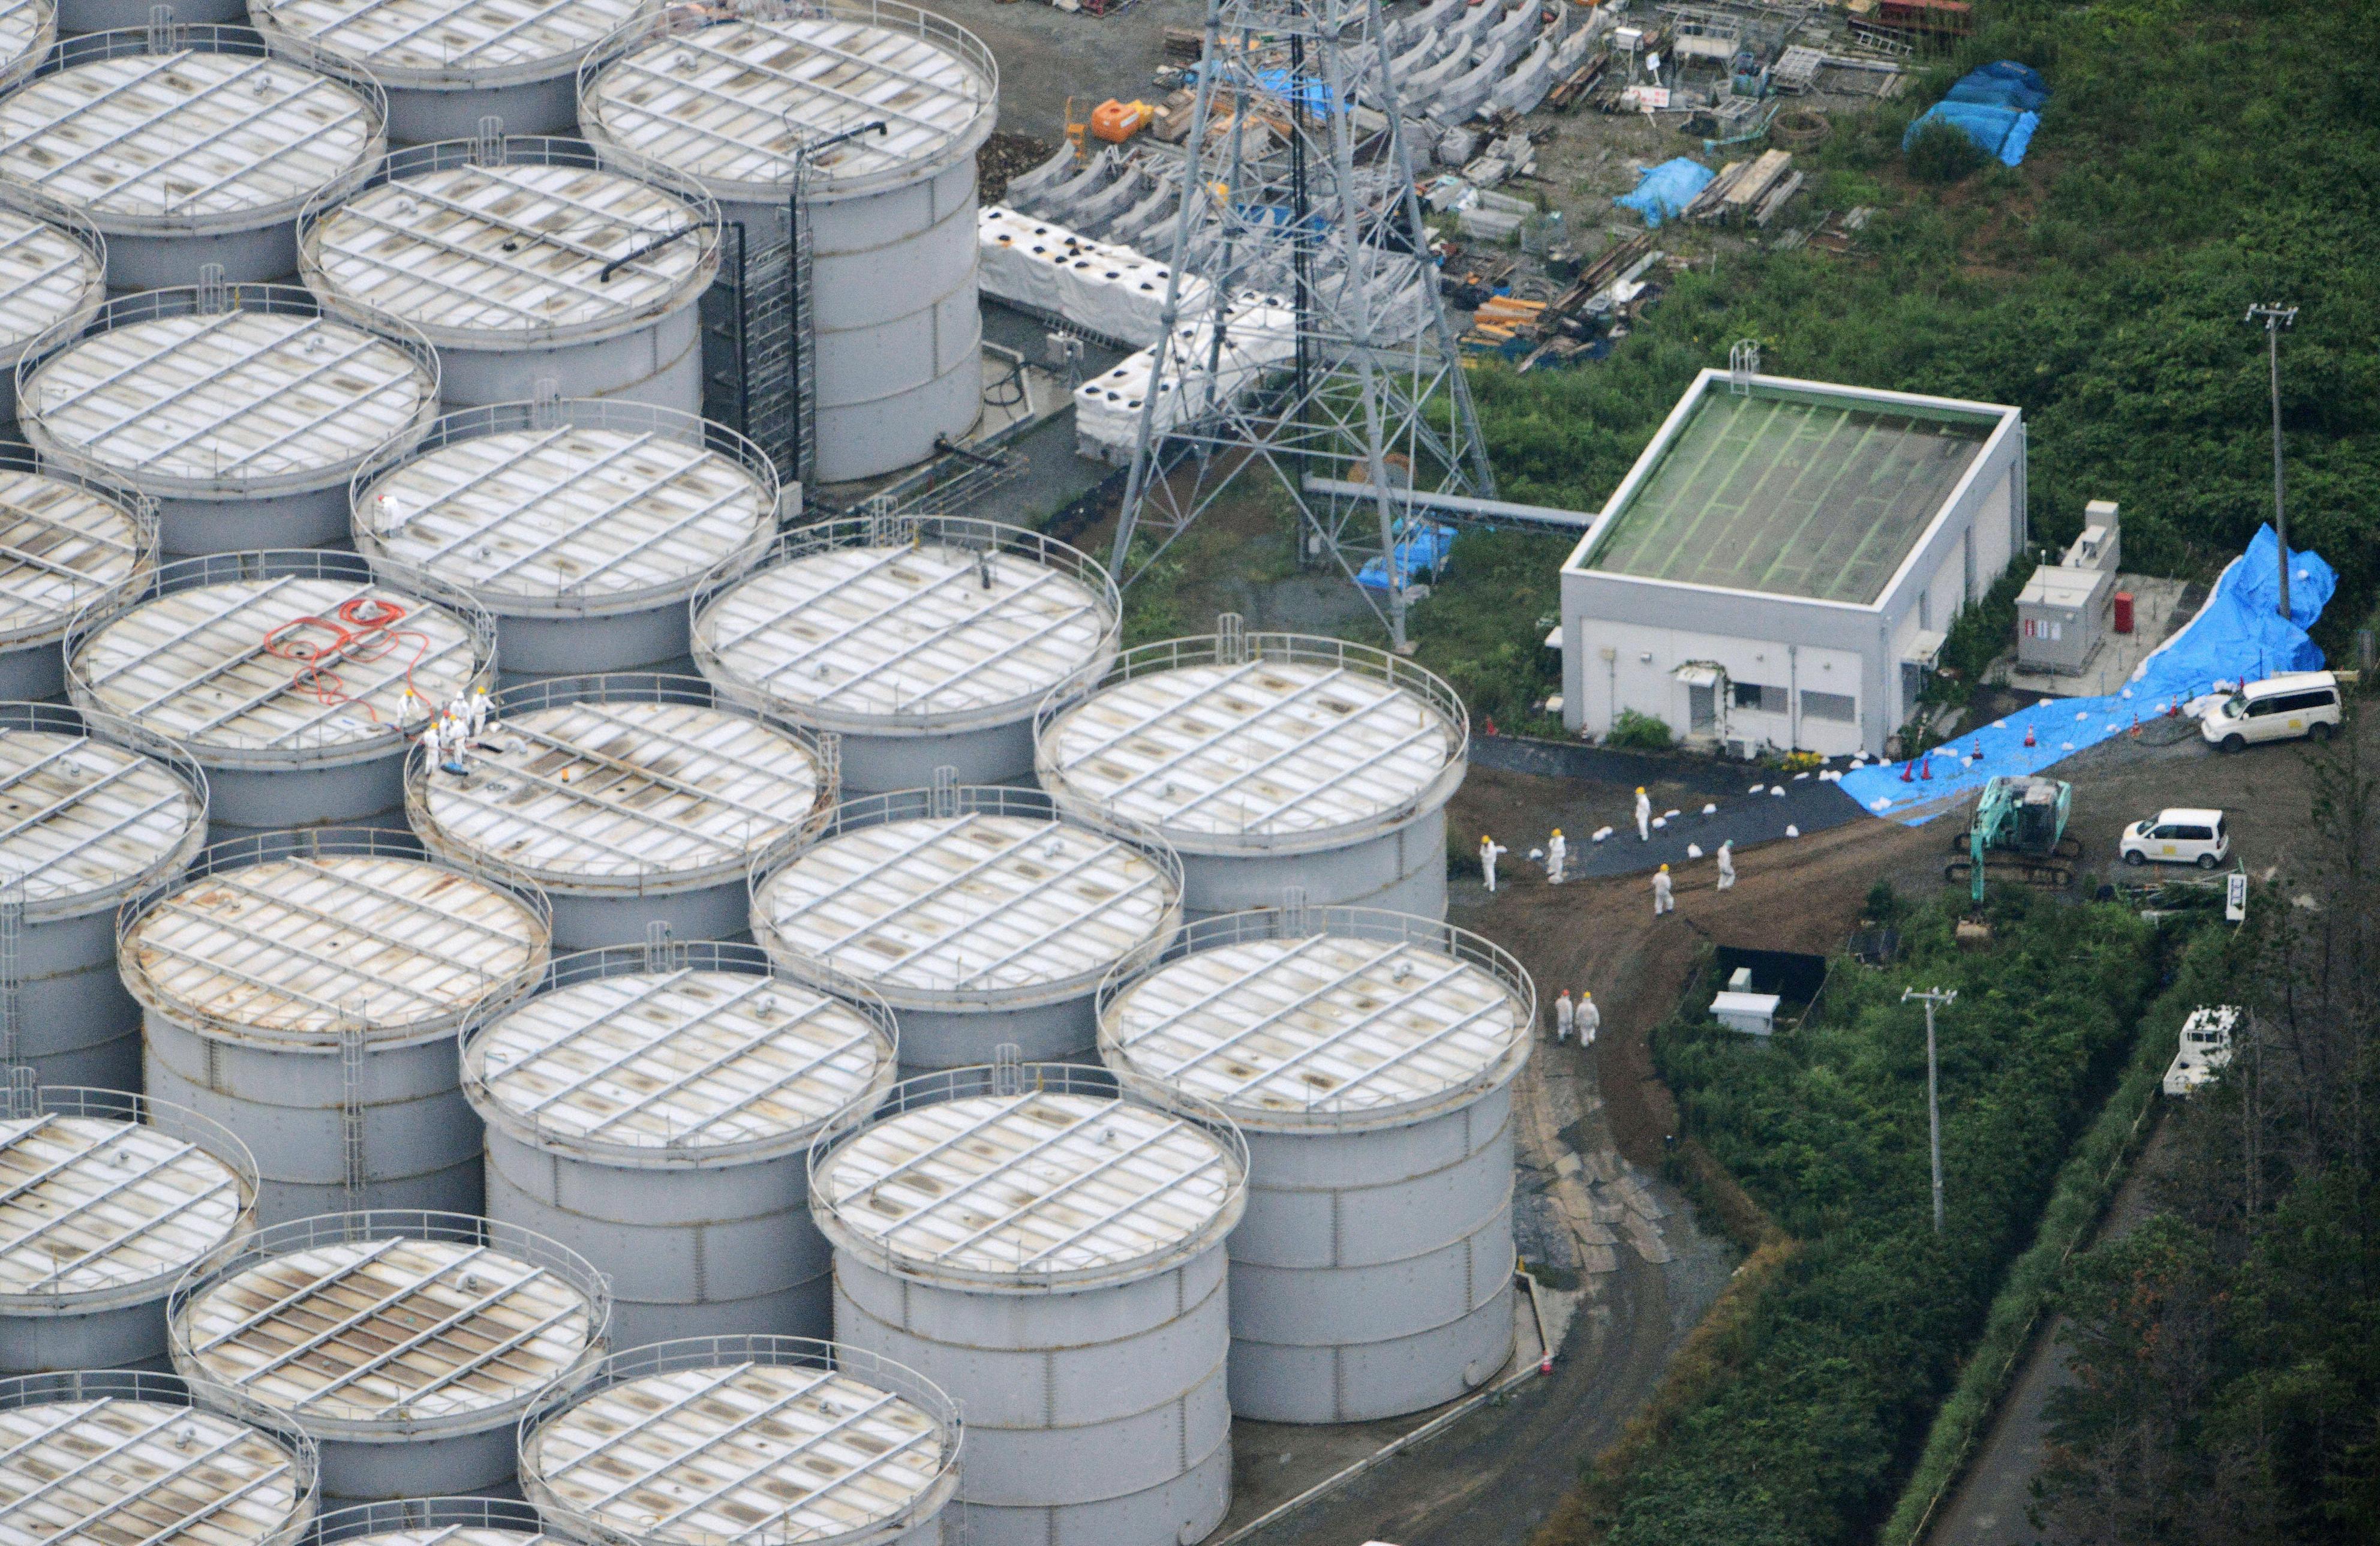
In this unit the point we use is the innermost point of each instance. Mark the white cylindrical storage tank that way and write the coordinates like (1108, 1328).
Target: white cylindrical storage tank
(982, 915)
(924, 641)
(1369, 1059)
(28, 29)
(53, 275)
(304, 990)
(1271, 761)
(652, 1107)
(90, 824)
(525, 262)
(448, 1521)
(106, 1199)
(583, 526)
(79, 17)
(241, 409)
(406, 1343)
(629, 800)
(292, 677)
(447, 63)
(706, 1440)
(104, 1454)
(66, 543)
(188, 145)
(1052, 1253)
(728, 94)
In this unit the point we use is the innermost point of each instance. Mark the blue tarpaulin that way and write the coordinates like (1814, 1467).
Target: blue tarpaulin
(1997, 107)
(1667, 189)
(1425, 549)
(2238, 636)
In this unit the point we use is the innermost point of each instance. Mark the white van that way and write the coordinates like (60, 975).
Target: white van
(2176, 837)
(2276, 709)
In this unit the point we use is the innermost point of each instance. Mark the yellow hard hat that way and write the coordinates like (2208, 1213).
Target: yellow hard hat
(1557, 832)
(1640, 788)
(1584, 994)
(1665, 870)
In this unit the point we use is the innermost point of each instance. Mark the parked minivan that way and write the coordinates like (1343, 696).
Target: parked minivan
(2176, 837)
(2276, 709)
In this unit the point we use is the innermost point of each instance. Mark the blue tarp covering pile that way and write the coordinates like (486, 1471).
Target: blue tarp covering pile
(1425, 549)
(1667, 190)
(1997, 107)
(2239, 635)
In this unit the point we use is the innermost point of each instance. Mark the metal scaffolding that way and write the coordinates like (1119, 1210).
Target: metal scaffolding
(1301, 187)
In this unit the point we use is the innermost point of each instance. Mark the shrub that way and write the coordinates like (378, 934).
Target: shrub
(1836, 1371)
(1640, 731)
(1943, 154)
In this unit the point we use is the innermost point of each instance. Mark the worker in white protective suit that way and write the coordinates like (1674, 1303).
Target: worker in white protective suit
(1590, 1019)
(1644, 815)
(1565, 1017)
(475, 717)
(446, 744)
(1727, 864)
(1557, 854)
(1663, 901)
(1490, 852)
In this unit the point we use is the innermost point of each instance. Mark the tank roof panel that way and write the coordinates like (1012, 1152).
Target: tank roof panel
(734, 103)
(228, 397)
(681, 1059)
(977, 902)
(62, 547)
(449, 38)
(1027, 1185)
(510, 251)
(1261, 748)
(735, 1452)
(1319, 1025)
(200, 665)
(26, 27)
(195, 137)
(45, 274)
(573, 511)
(595, 793)
(904, 631)
(118, 1469)
(392, 1329)
(81, 818)
(290, 949)
(89, 1204)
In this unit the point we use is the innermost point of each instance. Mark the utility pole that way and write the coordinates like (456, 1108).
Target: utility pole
(1931, 997)
(2276, 320)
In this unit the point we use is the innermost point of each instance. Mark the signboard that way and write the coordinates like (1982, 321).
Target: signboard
(2235, 897)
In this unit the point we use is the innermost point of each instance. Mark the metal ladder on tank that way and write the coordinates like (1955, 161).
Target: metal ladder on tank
(24, 1084)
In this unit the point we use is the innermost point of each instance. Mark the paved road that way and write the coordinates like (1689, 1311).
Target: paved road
(1988, 1508)
(1809, 804)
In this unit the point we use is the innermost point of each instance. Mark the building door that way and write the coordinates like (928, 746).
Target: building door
(1702, 711)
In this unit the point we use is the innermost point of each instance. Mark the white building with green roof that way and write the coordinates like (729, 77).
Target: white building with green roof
(1781, 564)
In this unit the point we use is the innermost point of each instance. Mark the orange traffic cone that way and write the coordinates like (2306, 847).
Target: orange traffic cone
(2028, 735)
(1908, 772)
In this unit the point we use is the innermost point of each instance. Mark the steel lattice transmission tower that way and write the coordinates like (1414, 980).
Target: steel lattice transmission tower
(1305, 342)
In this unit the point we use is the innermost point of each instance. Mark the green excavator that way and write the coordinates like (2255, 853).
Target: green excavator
(2020, 822)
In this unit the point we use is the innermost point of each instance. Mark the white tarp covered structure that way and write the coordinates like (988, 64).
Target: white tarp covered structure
(1111, 291)
(1259, 335)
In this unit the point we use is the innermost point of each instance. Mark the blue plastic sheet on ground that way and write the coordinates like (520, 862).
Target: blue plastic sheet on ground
(1425, 549)
(2238, 636)
(1997, 107)
(1667, 189)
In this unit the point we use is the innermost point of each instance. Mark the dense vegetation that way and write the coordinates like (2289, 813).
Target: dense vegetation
(1838, 1366)
(2196, 157)
(2228, 1348)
